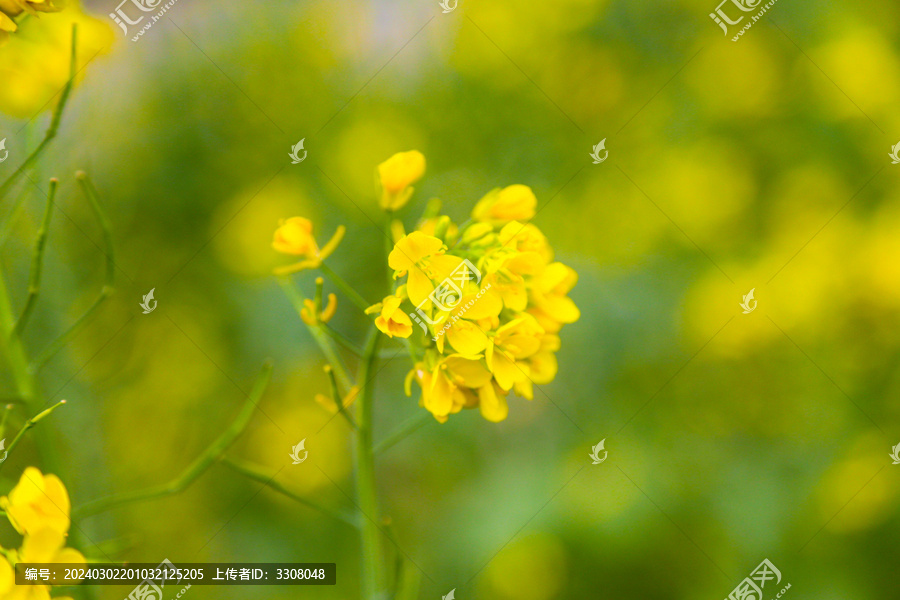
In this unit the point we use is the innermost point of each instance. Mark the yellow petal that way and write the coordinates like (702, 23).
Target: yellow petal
(413, 248)
(467, 372)
(466, 338)
(543, 367)
(492, 403)
(505, 370)
(401, 170)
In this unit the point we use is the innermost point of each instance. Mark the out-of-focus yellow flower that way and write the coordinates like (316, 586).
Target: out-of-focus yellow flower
(37, 502)
(396, 175)
(311, 317)
(38, 507)
(34, 63)
(6, 26)
(513, 203)
(391, 321)
(16, 7)
(47, 545)
(13, 8)
(294, 236)
(331, 406)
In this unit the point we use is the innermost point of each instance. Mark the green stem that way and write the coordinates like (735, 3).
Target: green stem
(373, 580)
(338, 399)
(342, 340)
(108, 285)
(321, 338)
(28, 425)
(412, 425)
(37, 262)
(54, 121)
(255, 473)
(200, 464)
(345, 287)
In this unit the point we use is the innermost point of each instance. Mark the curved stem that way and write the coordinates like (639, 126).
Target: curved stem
(37, 262)
(28, 425)
(200, 464)
(373, 580)
(54, 121)
(321, 338)
(345, 287)
(91, 193)
(255, 473)
(412, 425)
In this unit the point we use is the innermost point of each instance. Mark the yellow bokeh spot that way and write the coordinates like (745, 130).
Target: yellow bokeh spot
(245, 244)
(530, 568)
(34, 63)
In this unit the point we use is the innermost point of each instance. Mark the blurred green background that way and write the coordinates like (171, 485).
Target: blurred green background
(732, 438)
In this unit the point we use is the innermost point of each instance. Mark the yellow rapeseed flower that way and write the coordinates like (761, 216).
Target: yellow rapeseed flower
(311, 317)
(396, 176)
(294, 236)
(513, 203)
(422, 257)
(46, 545)
(391, 320)
(38, 501)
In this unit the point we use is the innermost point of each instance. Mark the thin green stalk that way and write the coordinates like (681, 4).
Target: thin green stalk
(338, 399)
(412, 425)
(373, 580)
(345, 287)
(342, 340)
(28, 425)
(37, 262)
(26, 388)
(321, 338)
(200, 464)
(255, 473)
(93, 198)
(345, 342)
(54, 121)
(108, 285)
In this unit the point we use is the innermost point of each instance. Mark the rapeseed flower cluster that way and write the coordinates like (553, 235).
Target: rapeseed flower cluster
(487, 298)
